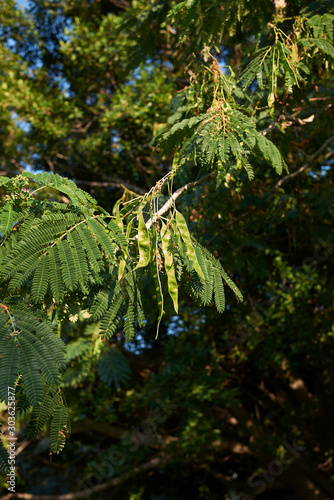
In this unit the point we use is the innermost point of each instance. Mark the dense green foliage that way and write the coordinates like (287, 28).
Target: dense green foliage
(202, 133)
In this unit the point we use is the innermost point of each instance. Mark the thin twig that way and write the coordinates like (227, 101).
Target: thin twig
(304, 167)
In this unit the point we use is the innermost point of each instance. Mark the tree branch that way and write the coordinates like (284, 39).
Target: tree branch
(151, 464)
(290, 120)
(304, 167)
(275, 120)
(121, 4)
(118, 432)
(169, 203)
(294, 120)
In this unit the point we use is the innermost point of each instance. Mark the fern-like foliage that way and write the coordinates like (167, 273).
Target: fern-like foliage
(284, 63)
(113, 369)
(58, 252)
(30, 348)
(43, 412)
(7, 219)
(55, 279)
(59, 428)
(4, 457)
(22, 404)
(215, 277)
(59, 258)
(9, 365)
(196, 22)
(77, 349)
(223, 138)
(112, 316)
(25, 349)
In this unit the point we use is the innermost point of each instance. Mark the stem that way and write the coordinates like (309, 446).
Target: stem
(33, 192)
(170, 202)
(304, 167)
